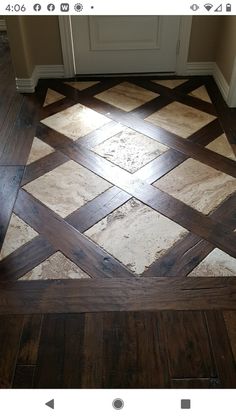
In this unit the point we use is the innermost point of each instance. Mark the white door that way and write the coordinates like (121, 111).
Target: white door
(125, 44)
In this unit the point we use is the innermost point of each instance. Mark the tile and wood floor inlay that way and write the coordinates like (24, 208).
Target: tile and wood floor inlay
(122, 178)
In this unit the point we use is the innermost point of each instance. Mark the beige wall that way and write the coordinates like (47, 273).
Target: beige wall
(226, 48)
(204, 38)
(37, 39)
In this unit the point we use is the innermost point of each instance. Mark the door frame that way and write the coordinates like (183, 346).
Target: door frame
(65, 26)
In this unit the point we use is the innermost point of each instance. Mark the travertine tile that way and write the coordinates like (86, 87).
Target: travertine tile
(197, 185)
(180, 119)
(67, 188)
(82, 85)
(217, 263)
(52, 97)
(126, 96)
(201, 93)
(136, 235)
(222, 146)
(18, 234)
(76, 121)
(130, 150)
(38, 150)
(170, 83)
(56, 267)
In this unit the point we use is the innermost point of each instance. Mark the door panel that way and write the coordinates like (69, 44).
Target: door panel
(125, 44)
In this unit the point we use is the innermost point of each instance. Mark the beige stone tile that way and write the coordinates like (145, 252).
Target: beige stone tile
(130, 149)
(76, 121)
(197, 185)
(18, 234)
(126, 96)
(52, 97)
(221, 146)
(170, 83)
(180, 119)
(81, 85)
(201, 93)
(217, 263)
(67, 188)
(136, 235)
(56, 266)
(39, 150)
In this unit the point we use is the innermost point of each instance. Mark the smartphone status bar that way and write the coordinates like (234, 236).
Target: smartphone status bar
(108, 7)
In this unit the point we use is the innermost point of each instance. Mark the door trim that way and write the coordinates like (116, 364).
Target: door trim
(68, 49)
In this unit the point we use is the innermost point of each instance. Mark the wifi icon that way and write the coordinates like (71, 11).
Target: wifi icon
(208, 6)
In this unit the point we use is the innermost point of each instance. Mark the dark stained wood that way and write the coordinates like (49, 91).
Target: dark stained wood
(77, 247)
(230, 321)
(117, 294)
(25, 258)
(29, 343)
(10, 333)
(183, 257)
(190, 353)
(222, 351)
(196, 383)
(10, 179)
(24, 376)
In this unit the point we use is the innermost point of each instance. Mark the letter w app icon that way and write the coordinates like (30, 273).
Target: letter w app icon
(65, 7)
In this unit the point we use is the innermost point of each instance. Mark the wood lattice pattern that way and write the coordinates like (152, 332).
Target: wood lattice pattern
(124, 177)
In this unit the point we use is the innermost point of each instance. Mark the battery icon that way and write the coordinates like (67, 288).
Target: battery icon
(228, 7)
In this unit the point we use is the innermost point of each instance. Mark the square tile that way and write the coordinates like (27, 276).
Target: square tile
(180, 119)
(18, 234)
(201, 93)
(171, 84)
(56, 266)
(197, 185)
(76, 121)
(136, 235)
(52, 97)
(126, 96)
(217, 263)
(130, 149)
(81, 85)
(67, 188)
(39, 150)
(221, 146)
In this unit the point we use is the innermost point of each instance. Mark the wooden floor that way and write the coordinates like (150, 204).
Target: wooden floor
(114, 322)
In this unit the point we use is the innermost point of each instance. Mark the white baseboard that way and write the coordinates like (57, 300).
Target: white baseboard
(199, 68)
(221, 82)
(40, 72)
(210, 68)
(3, 26)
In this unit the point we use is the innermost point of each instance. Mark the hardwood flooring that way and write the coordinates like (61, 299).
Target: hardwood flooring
(117, 234)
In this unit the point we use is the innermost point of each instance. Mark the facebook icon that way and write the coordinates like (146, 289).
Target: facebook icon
(37, 7)
(65, 7)
(51, 7)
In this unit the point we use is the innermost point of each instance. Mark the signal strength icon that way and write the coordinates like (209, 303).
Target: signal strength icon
(208, 6)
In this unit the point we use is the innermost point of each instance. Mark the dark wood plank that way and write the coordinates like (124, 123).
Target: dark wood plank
(129, 340)
(183, 257)
(10, 333)
(222, 351)
(18, 144)
(117, 294)
(230, 321)
(10, 179)
(189, 350)
(23, 378)
(196, 383)
(25, 258)
(49, 370)
(89, 256)
(29, 342)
